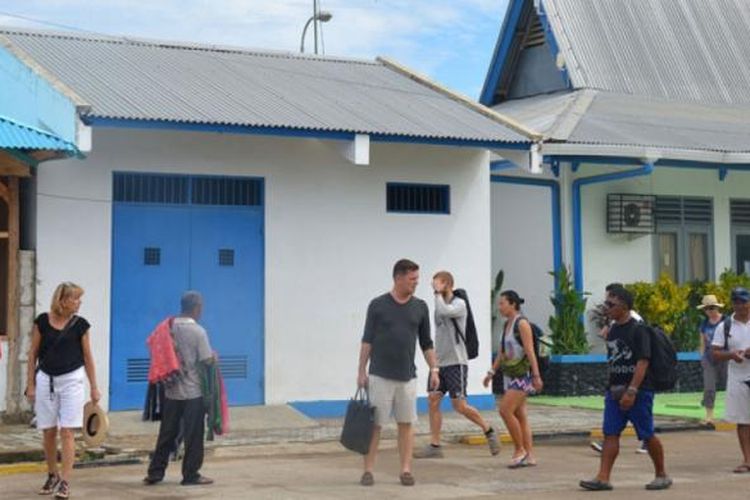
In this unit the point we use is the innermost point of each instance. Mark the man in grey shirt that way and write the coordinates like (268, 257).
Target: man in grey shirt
(451, 313)
(395, 322)
(183, 397)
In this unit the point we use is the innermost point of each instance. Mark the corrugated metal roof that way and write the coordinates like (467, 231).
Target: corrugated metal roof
(607, 118)
(142, 80)
(14, 135)
(690, 50)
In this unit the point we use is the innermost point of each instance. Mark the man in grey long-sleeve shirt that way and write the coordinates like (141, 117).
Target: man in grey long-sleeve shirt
(395, 322)
(451, 313)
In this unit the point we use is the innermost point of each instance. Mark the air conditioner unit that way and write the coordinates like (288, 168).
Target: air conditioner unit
(631, 213)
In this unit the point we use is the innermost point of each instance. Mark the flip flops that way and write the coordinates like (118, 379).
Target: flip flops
(742, 469)
(518, 462)
(595, 485)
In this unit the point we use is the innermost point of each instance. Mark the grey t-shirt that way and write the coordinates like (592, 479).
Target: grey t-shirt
(449, 352)
(392, 329)
(191, 344)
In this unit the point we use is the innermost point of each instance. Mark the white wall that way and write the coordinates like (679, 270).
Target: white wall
(329, 244)
(522, 246)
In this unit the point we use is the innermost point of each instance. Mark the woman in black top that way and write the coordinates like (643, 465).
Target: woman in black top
(59, 360)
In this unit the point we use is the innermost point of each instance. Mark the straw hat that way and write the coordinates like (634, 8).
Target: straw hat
(709, 301)
(95, 424)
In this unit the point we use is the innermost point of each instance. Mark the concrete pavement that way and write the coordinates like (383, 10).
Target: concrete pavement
(699, 462)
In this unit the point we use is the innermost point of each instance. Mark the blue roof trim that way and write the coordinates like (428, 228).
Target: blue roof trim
(552, 42)
(293, 132)
(15, 135)
(503, 46)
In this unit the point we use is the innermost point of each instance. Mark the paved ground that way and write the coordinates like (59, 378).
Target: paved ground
(700, 463)
(283, 424)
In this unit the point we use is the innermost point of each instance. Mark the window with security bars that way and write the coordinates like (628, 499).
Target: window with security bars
(417, 198)
(151, 256)
(739, 211)
(186, 190)
(226, 257)
(683, 243)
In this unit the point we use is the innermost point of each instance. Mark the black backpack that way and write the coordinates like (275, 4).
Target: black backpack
(663, 365)
(469, 337)
(727, 321)
(538, 335)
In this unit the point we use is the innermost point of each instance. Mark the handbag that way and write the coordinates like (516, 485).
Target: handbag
(359, 423)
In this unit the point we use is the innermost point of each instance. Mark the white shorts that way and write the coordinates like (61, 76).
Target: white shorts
(737, 403)
(393, 397)
(63, 407)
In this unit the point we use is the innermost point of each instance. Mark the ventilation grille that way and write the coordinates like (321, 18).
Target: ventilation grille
(149, 188)
(183, 190)
(226, 191)
(535, 35)
(677, 210)
(740, 211)
(630, 213)
(233, 366)
(418, 198)
(226, 257)
(137, 369)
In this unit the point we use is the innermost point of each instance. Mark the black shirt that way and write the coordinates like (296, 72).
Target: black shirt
(66, 354)
(626, 345)
(392, 330)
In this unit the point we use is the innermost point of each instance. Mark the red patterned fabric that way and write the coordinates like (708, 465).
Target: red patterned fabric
(164, 360)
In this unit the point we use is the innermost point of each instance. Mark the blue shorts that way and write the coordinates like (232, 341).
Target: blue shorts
(641, 415)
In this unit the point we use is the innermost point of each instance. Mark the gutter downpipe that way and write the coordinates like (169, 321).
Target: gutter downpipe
(646, 169)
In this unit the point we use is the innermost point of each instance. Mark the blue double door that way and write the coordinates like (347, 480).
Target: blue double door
(168, 244)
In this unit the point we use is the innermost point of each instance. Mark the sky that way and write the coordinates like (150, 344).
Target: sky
(450, 41)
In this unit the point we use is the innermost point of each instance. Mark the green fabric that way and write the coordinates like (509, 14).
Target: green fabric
(212, 400)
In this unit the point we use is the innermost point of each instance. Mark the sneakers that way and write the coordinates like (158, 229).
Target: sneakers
(659, 483)
(492, 441)
(49, 485)
(198, 481)
(63, 490)
(643, 448)
(596, 446)
(429, 451)
(367, 479)
(595, 485)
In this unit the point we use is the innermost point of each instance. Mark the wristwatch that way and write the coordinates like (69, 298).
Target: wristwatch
(632, 390)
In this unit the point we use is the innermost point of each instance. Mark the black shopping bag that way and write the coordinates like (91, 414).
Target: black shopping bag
(359, 423)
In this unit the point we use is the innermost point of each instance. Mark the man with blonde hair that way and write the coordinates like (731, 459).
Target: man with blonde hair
(451, 313)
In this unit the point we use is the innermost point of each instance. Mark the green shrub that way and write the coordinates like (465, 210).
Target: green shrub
(566, 328)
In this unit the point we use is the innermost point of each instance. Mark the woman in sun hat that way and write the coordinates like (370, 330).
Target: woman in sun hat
(714, 372)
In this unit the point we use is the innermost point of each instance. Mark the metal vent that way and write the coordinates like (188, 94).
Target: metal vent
(226, 191)
(418, 198)
(151, 256)
(630, 213)
(233, 366)
(739, 211)
(678, 210)
(535, 34)
(137, 369)
(226, 257)
(150, 188)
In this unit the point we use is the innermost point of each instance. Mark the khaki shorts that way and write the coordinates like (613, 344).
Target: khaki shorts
(393, 397)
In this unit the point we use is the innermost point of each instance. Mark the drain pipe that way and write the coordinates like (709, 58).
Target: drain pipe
(646, 169)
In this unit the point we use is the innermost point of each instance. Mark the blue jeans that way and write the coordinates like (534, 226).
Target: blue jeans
(641, 415)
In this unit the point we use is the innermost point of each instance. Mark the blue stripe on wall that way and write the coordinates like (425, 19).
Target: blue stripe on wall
(337, 408)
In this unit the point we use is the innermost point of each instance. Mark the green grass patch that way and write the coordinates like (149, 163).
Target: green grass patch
(685, 405)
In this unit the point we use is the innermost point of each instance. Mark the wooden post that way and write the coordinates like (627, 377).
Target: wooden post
(10, 194)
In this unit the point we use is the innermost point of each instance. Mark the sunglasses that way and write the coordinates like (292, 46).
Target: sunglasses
(609, 304)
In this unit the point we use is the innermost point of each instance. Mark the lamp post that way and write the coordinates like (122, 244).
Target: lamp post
(323, 16)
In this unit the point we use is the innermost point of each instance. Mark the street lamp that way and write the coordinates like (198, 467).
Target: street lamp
(323, 16)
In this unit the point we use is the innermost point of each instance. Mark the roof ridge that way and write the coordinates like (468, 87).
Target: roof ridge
(90, 36)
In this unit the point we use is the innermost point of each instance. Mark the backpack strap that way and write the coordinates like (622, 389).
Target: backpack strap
(459, 334)
(727, 322)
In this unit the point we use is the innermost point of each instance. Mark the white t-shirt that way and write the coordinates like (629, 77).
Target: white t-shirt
(738, 394)
(739, 338)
